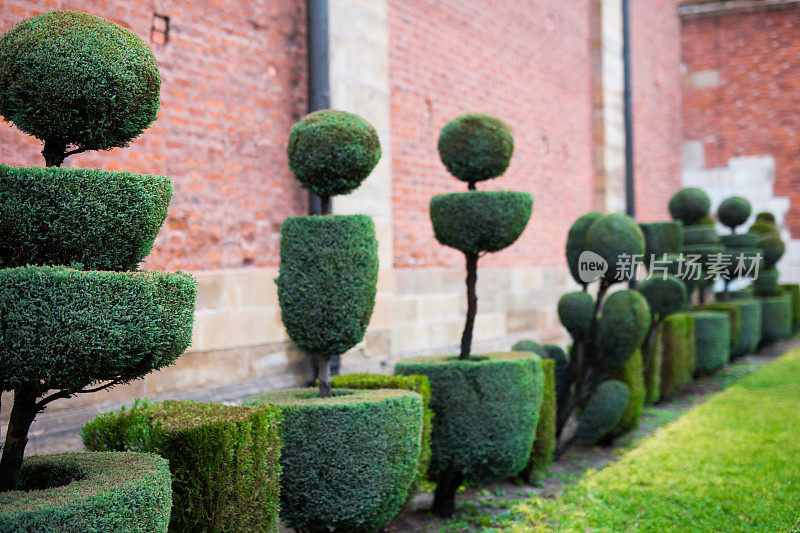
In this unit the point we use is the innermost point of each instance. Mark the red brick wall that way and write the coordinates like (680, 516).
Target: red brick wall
(528, 65)
(233, 84)
(754, 110)
(655, 67)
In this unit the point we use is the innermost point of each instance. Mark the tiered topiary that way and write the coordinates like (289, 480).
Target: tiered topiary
(78, 82)
(606, 332)
(224, 459)
(349, 456)
(486, 406)
(742, 247)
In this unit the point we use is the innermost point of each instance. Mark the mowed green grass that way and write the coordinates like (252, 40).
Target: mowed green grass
(730, 464)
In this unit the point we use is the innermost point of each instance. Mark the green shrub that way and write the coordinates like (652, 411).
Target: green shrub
(773, 249)
(745, 315)
(664, 294)
(71, 78)
(689, 205)
(563, 370)
(486, 409)
(476, 147)
(604, 411)
(632, 375)
(575, 311)
(734, 211)
(332, 152)
(776, 317)
(89, 492)
(576, 241)
(544, 444)
(64, 216)
(327, 282)
(66, 329)
(794, 291)
(224, 460)
(739, 294)
(740, 240)
(712, 331)
(623, 326)
(348, 461)
(766, 284)
(418, 384)
(734, 315)
(528, 346)
(678, 353)
(613, 237)
(766, 217)
(480, 221)
(652, 372)
(700, 235)
(661, 238)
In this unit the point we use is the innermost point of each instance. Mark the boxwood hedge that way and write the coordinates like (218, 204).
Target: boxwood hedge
(544, 444)
(92, 492)
(793, 289)
(712, 340)
(224, 459)
(632, 375)
(745, 315)
(677, 353)
(776, 317)
(348, 461)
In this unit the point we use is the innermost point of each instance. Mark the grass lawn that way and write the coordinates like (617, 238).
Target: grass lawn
(730, 464)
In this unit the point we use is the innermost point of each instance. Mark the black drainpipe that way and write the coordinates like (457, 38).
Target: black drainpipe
(319, 91)
(630, 203)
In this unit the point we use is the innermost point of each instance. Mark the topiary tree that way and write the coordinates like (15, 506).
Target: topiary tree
(742, 247)
(77, 81)
(329, 264)
(606, 332)
(772, 249)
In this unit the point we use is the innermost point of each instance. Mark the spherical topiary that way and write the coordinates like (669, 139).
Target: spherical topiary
(480, 221)
(661, 238)
(71, 78)
(476, 147)
(734, 211)
(689, 205)
(766, 217)
(575, 311)
(624, 323)
(331, 152)
(617, 239)
(664, 294)
(528, 346)
(773, 248)
(604, 410)
(576, 241)
(712, 340)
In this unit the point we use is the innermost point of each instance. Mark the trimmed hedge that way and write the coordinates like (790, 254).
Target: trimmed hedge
(348, 461)
(773, 249)
(712, 340)
(89, 493)
(64, 328)
(64, 216)
(689, 205)
(476, 147)
(328, 280)
(766, 284)
(776, 317)
(575, 311)
(74, 78)
(331, 152)
(632, 375)
(224, 460)
(418, 384)
(734, 314)
(700, 235)
(603, 411)
(661, 238)
(612, 237)
(623, 325)
(652, 374)
(544, 444)
(480, 221)
(794, 291)
(486, 410)
(745, 315)
(740, 240)
(576, 241)
(678, 354)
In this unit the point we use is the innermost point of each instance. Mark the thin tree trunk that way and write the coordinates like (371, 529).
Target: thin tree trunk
(444, 498)
(54, 153)
(324, 376)
(22, 414)
(325, 205)
(472, 304)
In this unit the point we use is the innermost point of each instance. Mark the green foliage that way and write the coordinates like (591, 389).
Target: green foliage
(776, 317)
(614, 237)
(734, 211)
(773, 248)
(794, 291)
(331, 152)
(476, 147)
(678, 353)
(76, 79)
(89, 492)
(544, 444)
(328, 279)
(528, 346)
(712, 331)
(766, 284)
(575, 311)
(700, 235)
(563, 371)
(418, 384)
(734, 315)
(765, 229)
(224, 460)
(63, 216)
(65, 329)
(486, 409)
(665, 294)
(623, 326)
(348, 461)
(480, 221)
(604, 410)
(766, 217)
(652, 373)
(739, 294)
(661, 238)
(632, 375)
(740, 240)
(576, 241)
(689, 205)
(745, 317)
